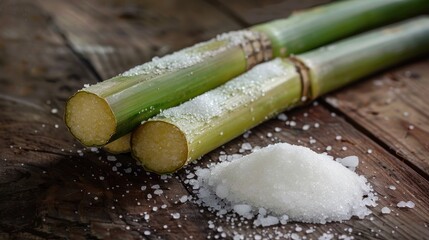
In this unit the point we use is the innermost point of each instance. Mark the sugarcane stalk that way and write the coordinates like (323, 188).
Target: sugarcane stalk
(184, 133)
(120, 145)
(341, 63)
(99, 114)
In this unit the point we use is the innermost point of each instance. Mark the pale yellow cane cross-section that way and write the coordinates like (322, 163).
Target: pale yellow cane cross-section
(90, 119)
(160, 146)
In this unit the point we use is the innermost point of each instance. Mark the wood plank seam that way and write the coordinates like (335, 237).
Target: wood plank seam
(86, 62)
(374, 138)
(228, 12)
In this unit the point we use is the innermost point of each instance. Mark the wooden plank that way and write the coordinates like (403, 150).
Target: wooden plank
(380, 168)
(385, 107)
(55, 193)
(254, 12)
(393, 108)
(49, 186)
(117, 35)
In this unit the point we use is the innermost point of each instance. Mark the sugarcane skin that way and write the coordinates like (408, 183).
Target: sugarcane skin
(341, 63)
(295, 35)
(205, 140)
(305, 30)
(277, 94)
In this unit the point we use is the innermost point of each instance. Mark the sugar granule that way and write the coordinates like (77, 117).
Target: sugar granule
(284, 181)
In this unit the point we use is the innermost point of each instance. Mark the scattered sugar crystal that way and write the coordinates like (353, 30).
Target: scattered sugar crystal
(392, 187)
(146, 233)
(305, 127)
(238, 236)
(54, 110)
(386, 210)
(190, 175)
(350, 161)
(328, 148)
(246, 146)
(247, 134)
(101, 178)
(56, 126)
(410, 204)
(284, 219)
(282, 117)
(369, 151)
(266, 221)
(143, 188)
(338, 138)
(285, 182)
(312, 141)
(292, 123)
(295, 236)
(411, 127)
(111, 158)
(316, 125)
(344, 148)
(326, 236)
(277, 129)
(403, 204)
(175, 215)
(243, 210)
(158, 192)
(183, 199)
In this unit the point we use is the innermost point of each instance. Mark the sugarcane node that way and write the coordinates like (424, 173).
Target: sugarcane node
(257, 49)
(304, 74)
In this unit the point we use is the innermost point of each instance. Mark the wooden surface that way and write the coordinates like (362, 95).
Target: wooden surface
(53, 188)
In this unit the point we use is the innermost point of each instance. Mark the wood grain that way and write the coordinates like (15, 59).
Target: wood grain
(256, 11)
(393, 108)
(380, 168)
(117, 35)
(52, 188)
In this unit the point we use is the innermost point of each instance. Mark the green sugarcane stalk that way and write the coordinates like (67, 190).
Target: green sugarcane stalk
(184, 133)
(99, 114)
(120, 145)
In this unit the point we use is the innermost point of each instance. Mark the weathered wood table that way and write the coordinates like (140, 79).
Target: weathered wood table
(53, 188)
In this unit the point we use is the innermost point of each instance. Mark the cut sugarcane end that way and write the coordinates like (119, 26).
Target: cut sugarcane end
(160, 146)
(90, 119)
(120, 145)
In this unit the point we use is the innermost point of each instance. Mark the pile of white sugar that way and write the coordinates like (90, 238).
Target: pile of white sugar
(284, 182)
